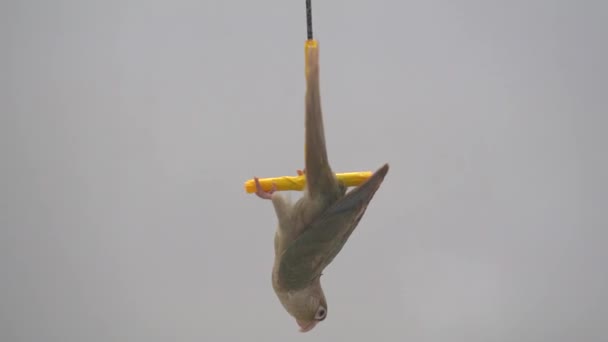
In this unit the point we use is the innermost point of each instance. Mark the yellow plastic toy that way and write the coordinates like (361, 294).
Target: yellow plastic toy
(297, 183)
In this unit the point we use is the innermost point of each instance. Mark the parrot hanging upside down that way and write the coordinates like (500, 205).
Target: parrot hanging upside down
(312, 231)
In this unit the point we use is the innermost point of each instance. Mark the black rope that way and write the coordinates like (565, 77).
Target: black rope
(309, 19)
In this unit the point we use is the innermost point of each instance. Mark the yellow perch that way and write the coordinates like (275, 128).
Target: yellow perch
(297, 183)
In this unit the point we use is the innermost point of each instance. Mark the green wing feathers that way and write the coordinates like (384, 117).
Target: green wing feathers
(308, 255)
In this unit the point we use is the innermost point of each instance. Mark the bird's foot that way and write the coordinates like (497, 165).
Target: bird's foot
(261, 192)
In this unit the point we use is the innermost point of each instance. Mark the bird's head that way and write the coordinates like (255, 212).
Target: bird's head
(308, 306)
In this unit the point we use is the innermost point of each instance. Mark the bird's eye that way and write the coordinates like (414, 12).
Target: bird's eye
(321, 313)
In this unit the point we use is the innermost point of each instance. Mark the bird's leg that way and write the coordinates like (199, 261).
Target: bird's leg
(261, 192)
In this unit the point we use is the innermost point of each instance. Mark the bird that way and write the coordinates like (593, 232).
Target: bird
(313, 230)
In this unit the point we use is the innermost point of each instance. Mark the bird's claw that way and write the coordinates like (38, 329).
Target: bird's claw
(261, 192)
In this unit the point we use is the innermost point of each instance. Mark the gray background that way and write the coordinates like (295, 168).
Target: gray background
(128, 128)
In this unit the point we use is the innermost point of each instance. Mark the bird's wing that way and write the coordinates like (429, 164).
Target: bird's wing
(309, 254)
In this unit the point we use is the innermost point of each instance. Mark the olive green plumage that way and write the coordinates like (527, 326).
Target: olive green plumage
(312, 231)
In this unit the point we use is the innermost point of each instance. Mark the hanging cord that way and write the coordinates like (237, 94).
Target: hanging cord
(309, 19)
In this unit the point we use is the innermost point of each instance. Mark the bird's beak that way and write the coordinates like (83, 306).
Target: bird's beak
(306, 326)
